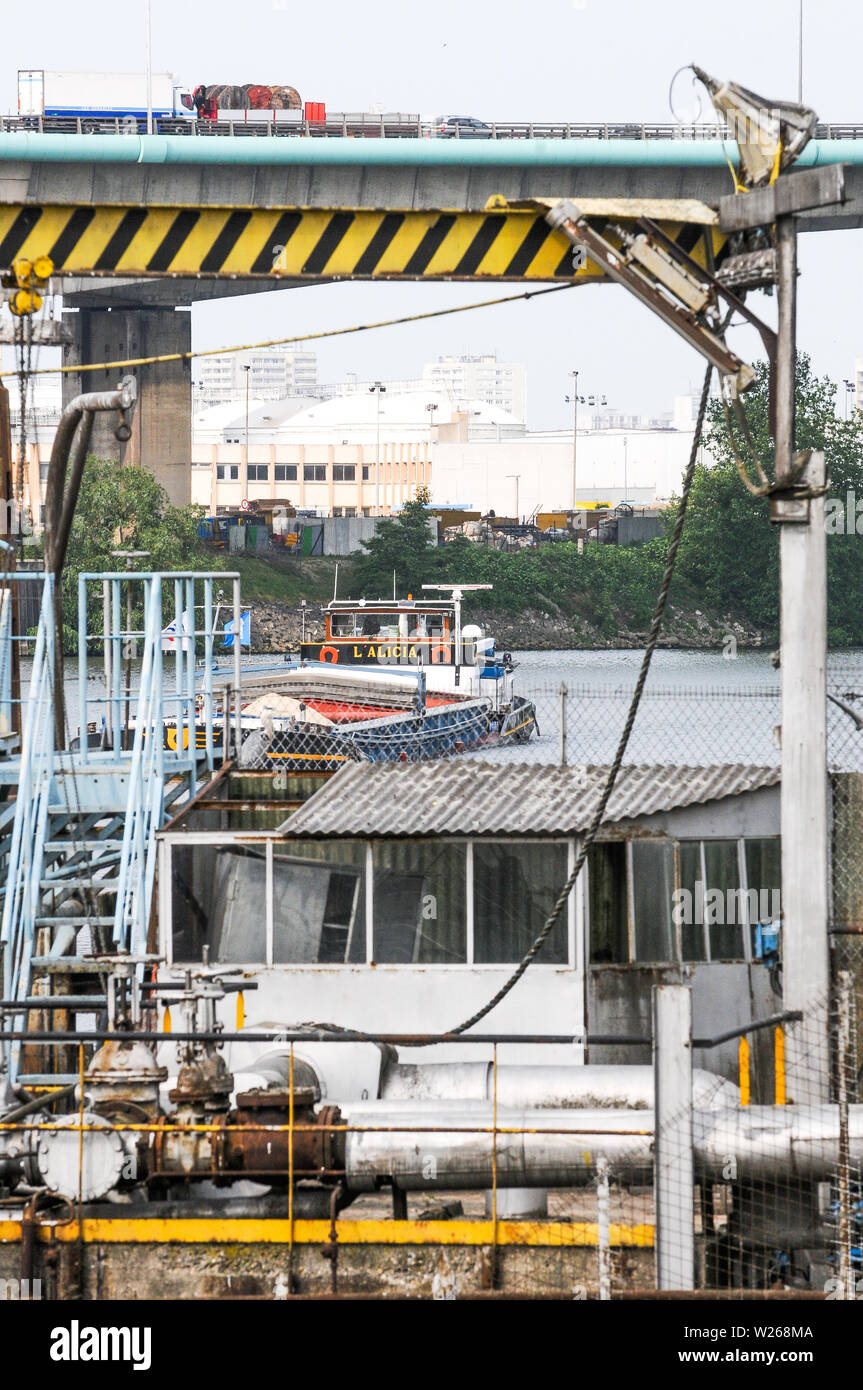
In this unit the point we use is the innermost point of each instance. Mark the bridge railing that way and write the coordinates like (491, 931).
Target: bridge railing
(372, 126)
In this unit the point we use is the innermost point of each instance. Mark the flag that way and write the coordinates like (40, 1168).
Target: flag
(169, 634)
(245, 631)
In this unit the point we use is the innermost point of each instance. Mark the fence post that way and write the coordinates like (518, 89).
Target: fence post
(843, 1066)
(674, 1184)
(603, 1229)
(563, 693)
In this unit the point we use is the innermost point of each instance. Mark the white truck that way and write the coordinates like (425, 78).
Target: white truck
(100, 99)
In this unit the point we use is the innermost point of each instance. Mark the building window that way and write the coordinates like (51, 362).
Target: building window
(286, 472)
(419, 902)
(674, 901)
(315, 472)
(607, 904)
(319, 904)
(231, 471)
(344, 473)
(366, 472)
(514, 889)
(258, 472)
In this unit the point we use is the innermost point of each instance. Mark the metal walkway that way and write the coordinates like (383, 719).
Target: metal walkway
(78, 848)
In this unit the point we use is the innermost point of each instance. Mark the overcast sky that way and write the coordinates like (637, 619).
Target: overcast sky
(578, 60)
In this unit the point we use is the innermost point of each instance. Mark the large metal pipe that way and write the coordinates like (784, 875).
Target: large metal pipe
(68, 457)
(545, 1087)
(21, 146)
(435, 1151)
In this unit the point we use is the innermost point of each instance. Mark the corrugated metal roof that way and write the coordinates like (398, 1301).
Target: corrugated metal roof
(468, 797)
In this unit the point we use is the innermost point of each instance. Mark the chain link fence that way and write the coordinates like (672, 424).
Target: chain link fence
(769, 1197)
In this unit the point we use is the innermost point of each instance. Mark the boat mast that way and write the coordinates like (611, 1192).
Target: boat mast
(456, 592)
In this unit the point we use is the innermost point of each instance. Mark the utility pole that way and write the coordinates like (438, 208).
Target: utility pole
(516, 477)
(798, 509)
(149, 69)
(9, 501)
(803, 668)
(574, 376)
(378, 388)
(247, 368)
(800, 52)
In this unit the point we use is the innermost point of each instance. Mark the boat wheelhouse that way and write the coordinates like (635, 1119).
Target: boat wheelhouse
(425, 632)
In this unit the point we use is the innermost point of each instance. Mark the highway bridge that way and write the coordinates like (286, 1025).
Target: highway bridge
(143, 225)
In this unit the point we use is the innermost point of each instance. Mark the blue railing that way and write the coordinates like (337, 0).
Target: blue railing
(35, 777)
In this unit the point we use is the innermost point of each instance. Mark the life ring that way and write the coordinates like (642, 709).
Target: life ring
(329, 654)
(439, 654)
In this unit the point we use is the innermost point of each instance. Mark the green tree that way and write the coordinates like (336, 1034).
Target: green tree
(402, 545)
(123, 507)
(729, 554)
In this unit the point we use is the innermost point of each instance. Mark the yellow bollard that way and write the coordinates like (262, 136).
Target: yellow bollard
(779, 1065)
(743, 1064)
(241, 1011)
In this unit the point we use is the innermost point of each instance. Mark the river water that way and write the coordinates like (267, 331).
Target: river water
(698, 707)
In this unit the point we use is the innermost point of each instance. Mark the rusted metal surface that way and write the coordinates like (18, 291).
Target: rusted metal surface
(123, 1080)
(261, 1139)
(317, 1148)
(452, 798)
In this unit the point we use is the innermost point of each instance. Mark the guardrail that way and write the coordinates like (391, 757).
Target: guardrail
(369, 126)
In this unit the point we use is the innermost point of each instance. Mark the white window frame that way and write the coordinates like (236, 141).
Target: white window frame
(266, 841)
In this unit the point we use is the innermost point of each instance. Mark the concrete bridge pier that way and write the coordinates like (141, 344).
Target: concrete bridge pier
(162, 420)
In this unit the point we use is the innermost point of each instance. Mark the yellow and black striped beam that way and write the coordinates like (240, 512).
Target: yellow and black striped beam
(500, 243)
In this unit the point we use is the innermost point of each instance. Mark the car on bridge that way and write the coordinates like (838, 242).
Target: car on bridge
(459, 128)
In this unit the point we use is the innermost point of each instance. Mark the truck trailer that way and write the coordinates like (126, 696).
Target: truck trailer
(108, 101)
(101, 97)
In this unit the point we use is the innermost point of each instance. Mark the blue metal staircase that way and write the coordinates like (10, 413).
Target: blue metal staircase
(80, 846)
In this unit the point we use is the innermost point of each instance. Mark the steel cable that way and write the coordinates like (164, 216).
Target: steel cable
(81, 367)
(653, 637)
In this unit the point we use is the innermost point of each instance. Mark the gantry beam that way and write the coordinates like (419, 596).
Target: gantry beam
(300, 244)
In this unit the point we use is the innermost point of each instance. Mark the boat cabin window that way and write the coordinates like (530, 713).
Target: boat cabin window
(345, 624)
(408, 623)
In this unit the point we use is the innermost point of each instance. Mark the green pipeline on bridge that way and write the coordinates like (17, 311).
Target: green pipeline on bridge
(319, 243)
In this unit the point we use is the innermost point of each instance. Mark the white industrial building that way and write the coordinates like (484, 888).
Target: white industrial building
(325, 457)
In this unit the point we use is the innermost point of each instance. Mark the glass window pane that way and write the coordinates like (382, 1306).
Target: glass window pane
(606, 869)
(319, 902)
(419, 902)
(219, 899)
(514, 888)
(763, 881)
(652, 902)
(691, 914)
(722, 906)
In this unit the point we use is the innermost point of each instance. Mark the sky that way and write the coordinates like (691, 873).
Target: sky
(576, 60)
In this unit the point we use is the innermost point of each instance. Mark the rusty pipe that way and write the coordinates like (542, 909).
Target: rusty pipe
(236, 1146)
(71, 443)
